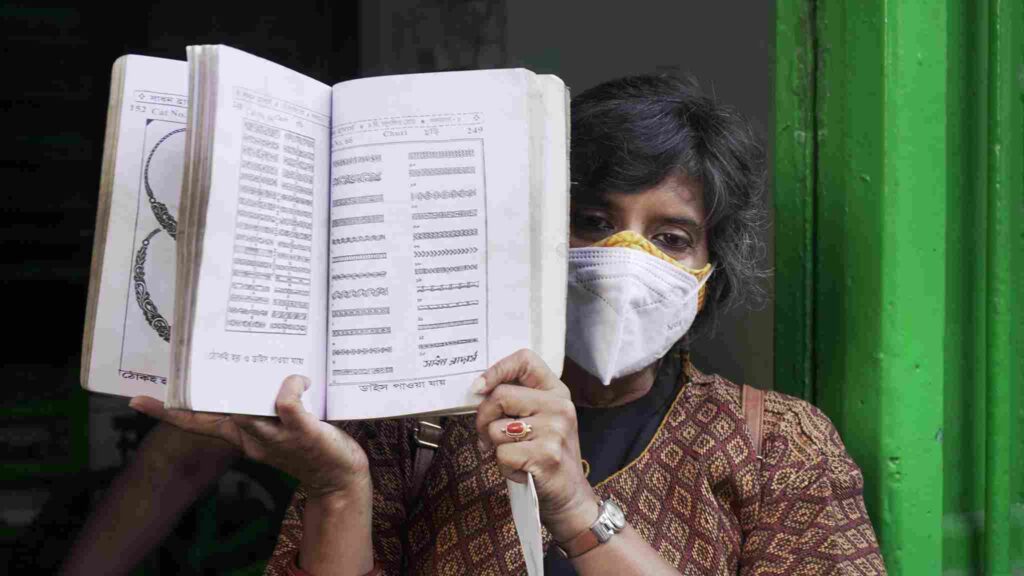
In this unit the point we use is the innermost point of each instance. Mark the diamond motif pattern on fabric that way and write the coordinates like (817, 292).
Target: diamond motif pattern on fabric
(698, 495)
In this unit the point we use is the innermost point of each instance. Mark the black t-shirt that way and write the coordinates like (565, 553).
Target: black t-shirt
(612, 437)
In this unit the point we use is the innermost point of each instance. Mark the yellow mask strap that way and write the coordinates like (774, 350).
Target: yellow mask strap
(630, 239)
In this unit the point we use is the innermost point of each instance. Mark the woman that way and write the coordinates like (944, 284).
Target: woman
(665, 197)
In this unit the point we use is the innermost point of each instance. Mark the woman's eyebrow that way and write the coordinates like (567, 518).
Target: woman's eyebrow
(682, 221)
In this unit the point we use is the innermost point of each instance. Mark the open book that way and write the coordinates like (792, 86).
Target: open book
(389, 238)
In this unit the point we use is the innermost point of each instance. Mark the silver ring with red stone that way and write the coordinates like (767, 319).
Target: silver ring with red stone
(517, 430)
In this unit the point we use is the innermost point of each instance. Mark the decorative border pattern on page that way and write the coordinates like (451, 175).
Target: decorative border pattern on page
(462, 246)
(138, 298)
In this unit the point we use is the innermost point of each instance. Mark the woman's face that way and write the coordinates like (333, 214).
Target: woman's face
(669, 214)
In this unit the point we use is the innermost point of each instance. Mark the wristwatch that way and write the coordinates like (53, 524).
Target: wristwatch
(610, 521)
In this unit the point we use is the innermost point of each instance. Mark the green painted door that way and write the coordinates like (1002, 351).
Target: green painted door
(899, 186)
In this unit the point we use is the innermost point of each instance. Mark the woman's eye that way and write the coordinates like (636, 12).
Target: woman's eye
(591, 223)
(669, 241)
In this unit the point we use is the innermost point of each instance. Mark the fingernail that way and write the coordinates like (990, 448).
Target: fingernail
(483, 446)
(136, 404)
(478, 385)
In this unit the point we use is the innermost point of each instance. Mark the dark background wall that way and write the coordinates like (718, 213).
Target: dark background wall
(58, 446)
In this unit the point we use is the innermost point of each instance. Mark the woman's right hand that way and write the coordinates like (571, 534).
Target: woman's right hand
(326, 460)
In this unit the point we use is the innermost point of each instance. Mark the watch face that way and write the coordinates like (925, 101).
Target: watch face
(615, 514)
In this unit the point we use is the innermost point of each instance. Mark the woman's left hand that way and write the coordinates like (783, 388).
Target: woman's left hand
(522, 387)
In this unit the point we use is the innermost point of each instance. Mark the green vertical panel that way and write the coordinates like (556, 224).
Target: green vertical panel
(1017, 332)
(1004, 190)
(964, 390)
(848, 231)
(1017, 323)
(880, 254)
(794, 195)
(983, 445)
(911, 348)
(917, 242)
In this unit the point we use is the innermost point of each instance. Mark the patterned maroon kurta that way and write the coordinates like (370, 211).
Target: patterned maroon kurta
(697, 494)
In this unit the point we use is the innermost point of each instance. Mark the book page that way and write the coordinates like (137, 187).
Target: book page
(132, 292)
(259, 308)
(430, 238)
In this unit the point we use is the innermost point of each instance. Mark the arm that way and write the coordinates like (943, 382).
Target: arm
(337, 532)
(812, 504)
(386, 445)
(523, 386)
(330, 465)
(143, 503)
(627, 553)
(308, 526)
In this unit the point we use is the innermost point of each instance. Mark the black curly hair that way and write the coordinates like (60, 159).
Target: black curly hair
(631, 133)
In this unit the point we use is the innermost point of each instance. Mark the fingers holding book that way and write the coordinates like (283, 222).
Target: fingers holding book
(205, 423)
(322, 457)
(527, 415)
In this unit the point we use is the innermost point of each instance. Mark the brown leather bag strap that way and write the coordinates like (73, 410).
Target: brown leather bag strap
(753, 413)
(426, 437)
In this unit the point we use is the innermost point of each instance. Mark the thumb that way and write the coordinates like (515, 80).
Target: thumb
(524, 367)
(149, 406)
(289, 401)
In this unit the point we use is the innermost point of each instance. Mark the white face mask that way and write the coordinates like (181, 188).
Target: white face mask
(626, 309)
